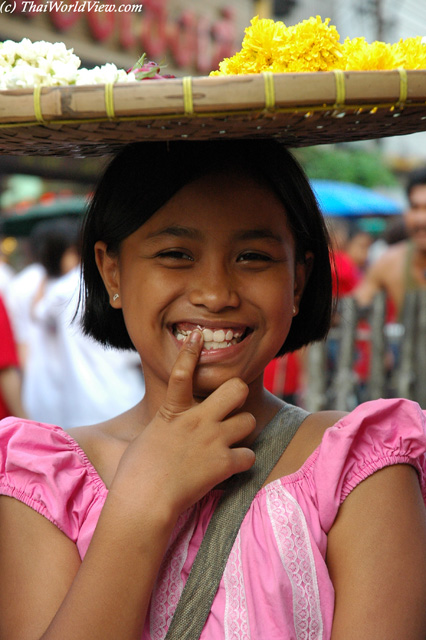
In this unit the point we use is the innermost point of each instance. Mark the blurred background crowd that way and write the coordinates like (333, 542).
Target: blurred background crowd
(372, 194)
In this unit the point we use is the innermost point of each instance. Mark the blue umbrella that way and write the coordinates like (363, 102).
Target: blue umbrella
(348, 199)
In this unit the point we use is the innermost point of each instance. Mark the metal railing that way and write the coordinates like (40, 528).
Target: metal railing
(396, 356)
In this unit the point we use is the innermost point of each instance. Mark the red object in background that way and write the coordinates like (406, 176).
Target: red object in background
(282, 375)
(193, 38)
(8, 352)
(345, 274)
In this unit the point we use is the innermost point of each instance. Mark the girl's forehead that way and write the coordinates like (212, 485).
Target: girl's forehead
(228, 211)
(233, 196)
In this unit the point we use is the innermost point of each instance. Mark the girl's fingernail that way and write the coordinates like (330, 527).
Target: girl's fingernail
(195, 337)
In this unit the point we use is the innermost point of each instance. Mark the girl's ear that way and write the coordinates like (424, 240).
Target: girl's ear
(107, 264)
(302, 273)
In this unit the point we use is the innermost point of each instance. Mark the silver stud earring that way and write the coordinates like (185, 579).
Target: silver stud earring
(115, 297)
(294, 310)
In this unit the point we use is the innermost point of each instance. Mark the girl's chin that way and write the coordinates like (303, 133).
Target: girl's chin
(206, 382)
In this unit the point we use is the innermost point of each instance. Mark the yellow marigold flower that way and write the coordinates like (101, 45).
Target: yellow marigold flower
(230, 66)
(314, 45)
(260, 48)
(410, 53)
(311, 45)
(264, 37)
(359, 55)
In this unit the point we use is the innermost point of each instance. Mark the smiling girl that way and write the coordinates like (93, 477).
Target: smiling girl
(209, 259)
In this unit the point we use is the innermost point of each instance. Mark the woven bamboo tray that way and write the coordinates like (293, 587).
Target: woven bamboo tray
(300, 109)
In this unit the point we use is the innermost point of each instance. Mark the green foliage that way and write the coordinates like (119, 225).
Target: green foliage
(367, 168)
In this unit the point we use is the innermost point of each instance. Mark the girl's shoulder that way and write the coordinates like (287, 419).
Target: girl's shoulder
(305, 442)
(333, 452)
(44, 467)
(384, 428)
(376, 434)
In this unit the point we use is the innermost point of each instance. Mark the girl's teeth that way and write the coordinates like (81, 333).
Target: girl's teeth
(217, 345)
(218, 339)
(207, 335)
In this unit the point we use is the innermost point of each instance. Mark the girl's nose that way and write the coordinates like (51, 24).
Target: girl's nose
(214, 289)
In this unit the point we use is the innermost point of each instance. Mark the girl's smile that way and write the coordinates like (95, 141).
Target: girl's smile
(216, 337)
(218, 257)
(213, 338)
(220, 342)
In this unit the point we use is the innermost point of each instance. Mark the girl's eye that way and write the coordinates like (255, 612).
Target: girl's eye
(175, 254)
(252, 256)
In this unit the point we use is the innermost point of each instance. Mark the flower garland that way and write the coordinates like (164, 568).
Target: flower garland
(314, 45)
(30, 64)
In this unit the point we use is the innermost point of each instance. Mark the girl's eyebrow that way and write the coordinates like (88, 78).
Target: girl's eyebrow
(176, 231)
(179, 231)
(263, 233)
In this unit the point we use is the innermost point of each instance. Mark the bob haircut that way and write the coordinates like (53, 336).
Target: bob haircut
(145, 175)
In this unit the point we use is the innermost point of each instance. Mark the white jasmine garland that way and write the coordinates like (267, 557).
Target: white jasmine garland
(62, 72)
(24, 75)
(7, 53)
(103, 75)
(2, 79)
(28, 64)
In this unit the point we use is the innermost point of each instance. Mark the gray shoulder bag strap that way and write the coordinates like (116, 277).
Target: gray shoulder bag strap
(209, 564)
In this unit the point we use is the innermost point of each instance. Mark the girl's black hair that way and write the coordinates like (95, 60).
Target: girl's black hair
(145, 175)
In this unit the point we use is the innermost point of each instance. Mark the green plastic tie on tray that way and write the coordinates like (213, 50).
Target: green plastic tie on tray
(339, 77)
(403, 87)
(188, 104)
(268, 77)
(37, 105)
(109, 100)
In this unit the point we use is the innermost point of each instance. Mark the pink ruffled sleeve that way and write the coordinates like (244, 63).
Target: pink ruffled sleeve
(43, 467)
(375, 435)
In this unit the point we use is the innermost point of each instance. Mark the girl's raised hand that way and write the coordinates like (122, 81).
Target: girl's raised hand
(187, 448)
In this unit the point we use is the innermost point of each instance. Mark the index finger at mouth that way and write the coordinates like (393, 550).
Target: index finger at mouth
(180, 388)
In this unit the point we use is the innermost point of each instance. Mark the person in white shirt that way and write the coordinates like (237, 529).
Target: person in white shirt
(95, 383)
(6, 274)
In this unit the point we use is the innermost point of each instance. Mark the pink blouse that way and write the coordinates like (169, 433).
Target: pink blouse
(276, 585)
